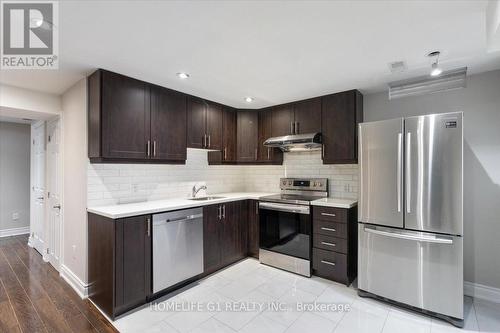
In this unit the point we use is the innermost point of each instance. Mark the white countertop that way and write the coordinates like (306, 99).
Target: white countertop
(335, 202)
(158, 206)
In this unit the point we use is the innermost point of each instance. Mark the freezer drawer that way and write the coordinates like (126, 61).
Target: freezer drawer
(423, 270)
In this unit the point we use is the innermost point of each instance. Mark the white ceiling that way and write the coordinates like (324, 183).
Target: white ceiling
(273, 51)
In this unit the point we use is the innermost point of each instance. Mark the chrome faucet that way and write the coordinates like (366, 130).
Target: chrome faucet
(195, 191)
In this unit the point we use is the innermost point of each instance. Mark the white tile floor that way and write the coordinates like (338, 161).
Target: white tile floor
(251, 284)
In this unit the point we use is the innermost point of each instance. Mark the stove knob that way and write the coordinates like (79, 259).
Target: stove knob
(290, 183)
(319, 184)
(284, 182)
(314, 184)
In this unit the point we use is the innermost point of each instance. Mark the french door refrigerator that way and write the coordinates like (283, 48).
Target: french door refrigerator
(410, 247)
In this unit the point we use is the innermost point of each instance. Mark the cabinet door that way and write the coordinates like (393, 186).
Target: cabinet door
(229, 135)
(168, 124)
(196, 123)
(253, 228)
(126, 117)
(341, 114)
(265, 132)
(308, 116)
(214, 126)
(211, 243)
(247, 131)
(282, 122)
(133, 261)
(230, 233)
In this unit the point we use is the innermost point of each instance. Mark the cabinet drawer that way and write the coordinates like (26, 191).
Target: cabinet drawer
(330, 229)
(330, 243)
(330, 265)
(330, 214)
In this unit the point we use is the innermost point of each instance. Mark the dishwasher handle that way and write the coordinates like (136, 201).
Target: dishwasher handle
(179, 219)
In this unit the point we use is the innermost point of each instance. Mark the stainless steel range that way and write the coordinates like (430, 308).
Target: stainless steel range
(286, 224)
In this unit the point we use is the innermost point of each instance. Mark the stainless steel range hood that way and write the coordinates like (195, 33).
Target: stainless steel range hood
(299, 142)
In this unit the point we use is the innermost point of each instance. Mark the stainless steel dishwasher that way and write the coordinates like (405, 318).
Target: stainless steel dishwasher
(177, 247)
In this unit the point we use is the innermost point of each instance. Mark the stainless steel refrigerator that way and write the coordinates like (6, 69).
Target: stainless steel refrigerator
(410, 247)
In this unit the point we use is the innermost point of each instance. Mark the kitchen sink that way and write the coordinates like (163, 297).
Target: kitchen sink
(205, 198)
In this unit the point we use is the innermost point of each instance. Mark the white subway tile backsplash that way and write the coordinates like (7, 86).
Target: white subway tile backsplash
(120, 183)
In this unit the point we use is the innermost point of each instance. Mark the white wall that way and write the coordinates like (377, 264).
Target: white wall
(74, 126)
(23, 103)
(14, 175)
(480, 102)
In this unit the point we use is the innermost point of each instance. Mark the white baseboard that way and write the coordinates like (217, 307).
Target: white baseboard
(74, 281)
(481, 291)
(15, 231)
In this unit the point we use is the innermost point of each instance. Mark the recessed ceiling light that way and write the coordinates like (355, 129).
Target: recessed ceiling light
(183, 75)
(435, 69)
(248, 99)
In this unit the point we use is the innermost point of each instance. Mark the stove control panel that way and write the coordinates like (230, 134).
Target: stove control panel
(304, 184)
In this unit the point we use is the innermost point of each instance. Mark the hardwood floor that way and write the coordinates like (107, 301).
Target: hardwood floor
(34, 298)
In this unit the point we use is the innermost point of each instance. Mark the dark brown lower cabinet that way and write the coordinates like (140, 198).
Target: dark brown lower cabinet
(253, 228)
(224, 235)
(119, 261)
(335, 242)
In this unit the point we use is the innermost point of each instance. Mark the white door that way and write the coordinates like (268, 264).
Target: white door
(37, 186)
(54, 209)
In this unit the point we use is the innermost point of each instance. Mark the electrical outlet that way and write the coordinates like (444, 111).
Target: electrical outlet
(135, 188)
(15, 216)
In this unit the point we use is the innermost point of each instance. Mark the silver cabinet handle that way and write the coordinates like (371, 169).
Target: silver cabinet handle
(327, 262)
(328, 214)
(149, 226)
(154, 148)
(408, 172)
(209, 141)
(399, 166)
(224, 211)
(148, 147)
(257, 209)
(268, 153)
(219, 212)
(204, 140)
(328, 244)
(256, 154)
(40, 198)
(291, 127)
(57, 206)
(225, 154)
(296, 127)
(328, 229)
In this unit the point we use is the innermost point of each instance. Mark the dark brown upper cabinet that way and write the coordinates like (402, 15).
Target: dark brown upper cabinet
(229, 135)
(266, 154)
(307, 116)
(120, 124)
(204, 124)
(341, 114)
(247, 132)
(168, 124)
(282, 120)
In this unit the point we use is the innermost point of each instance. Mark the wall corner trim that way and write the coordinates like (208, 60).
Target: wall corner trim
(480, 291)
(74, 281)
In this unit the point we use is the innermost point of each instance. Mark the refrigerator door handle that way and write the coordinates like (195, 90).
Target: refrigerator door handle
(399, 171)
(408, 172)
(410, 236)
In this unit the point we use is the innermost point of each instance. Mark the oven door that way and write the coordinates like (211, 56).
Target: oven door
(285, 229)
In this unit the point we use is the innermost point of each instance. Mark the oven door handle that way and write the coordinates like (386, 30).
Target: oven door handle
(300, 209)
